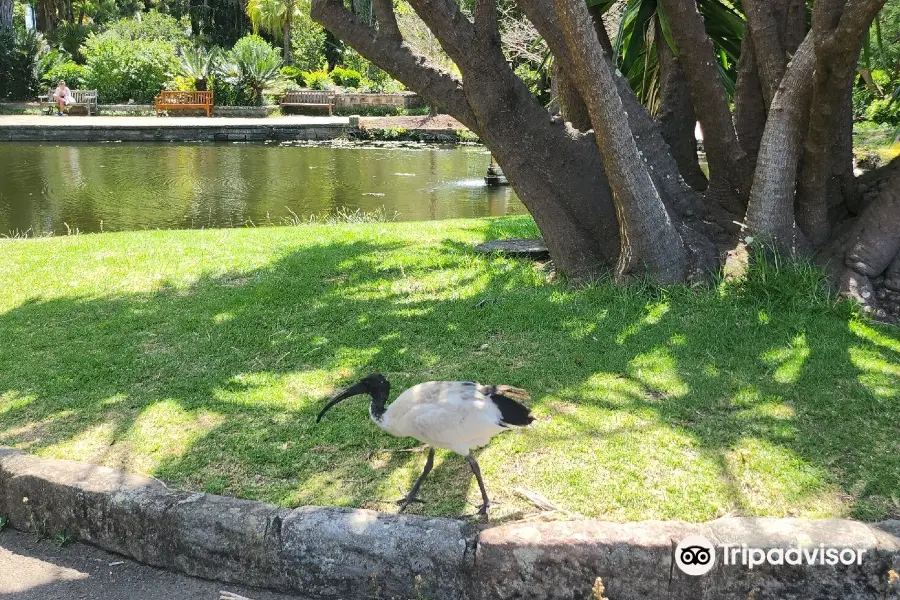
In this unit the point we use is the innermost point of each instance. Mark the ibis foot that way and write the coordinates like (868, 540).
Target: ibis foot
(411, 496)
(404, 503)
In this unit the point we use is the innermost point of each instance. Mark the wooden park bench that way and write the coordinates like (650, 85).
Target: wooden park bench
(168, 99)
(86, 99)
(309, 98)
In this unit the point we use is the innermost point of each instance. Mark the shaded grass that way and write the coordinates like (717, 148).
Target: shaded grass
(202, 358)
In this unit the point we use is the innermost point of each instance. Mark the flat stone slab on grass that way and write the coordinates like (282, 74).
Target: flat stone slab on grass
(532, 248)
(342, 553)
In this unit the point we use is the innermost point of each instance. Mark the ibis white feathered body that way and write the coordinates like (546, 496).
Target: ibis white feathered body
(453, 415)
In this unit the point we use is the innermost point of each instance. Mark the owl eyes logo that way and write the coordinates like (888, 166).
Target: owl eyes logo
(695, 555)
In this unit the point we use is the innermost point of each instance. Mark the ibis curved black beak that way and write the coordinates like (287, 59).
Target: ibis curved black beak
(354, 390)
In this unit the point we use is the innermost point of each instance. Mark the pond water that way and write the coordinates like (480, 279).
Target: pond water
(120, 187)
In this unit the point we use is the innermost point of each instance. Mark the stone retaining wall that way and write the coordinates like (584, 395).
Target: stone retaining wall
(342, 102)
(403, 100)
(171, 131)
(333, 553)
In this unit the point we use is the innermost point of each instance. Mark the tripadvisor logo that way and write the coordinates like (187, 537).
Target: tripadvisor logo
(696, 555)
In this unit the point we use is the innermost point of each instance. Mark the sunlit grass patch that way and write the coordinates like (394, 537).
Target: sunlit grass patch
(203, 357)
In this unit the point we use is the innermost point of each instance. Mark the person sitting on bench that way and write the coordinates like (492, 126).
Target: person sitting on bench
(62, 96)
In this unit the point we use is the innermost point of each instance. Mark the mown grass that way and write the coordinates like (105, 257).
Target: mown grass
(202, 358)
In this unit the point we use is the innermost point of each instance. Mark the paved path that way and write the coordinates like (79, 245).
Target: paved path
(102, 121)
(33, 570)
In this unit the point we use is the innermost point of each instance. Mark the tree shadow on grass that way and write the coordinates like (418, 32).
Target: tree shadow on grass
(216, 385)
(674, 404)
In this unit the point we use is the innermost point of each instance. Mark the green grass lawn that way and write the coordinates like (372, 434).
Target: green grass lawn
(202, 358)
(879, 139)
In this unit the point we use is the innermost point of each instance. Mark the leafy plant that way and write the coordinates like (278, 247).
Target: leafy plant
(885, 110)
(70, 37)
(50, 60)
(153, 26)
(199, 64)
(20, 54)
(307, 39)
(72, 73)
(122, 69)
(318, 80)
(251, 66)
(294, 74)
(346, 77)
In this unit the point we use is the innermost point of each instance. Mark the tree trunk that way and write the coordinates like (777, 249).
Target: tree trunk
(575, 214)
(571, 106)
(676, 115)
(839, 28)
(770, 212)
(651, 245)
(749, 105)
(729, 174)
(6, 13)
(875, 249)
(288, 22)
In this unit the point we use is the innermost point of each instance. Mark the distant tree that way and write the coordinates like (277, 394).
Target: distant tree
(275, 17)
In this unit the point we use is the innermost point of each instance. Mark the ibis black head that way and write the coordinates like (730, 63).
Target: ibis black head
(375, 385)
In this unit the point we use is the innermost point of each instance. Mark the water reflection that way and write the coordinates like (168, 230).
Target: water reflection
(120, 187)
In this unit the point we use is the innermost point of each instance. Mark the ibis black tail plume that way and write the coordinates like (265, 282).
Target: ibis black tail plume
(512, 413)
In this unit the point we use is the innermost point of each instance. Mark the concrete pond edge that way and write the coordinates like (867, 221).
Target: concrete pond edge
(340, 553)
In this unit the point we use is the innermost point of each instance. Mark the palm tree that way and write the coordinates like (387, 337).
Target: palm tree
(275, 17)
(251, 65)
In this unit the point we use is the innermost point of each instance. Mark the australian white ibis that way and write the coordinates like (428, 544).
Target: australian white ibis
(453, 415)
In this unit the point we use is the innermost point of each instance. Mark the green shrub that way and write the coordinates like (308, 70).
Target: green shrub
(199, 64)
(73, 74)
(295, 74)
(20, 54)
(153, 26)
(250, 67)
(123, 69)
(307, 39)
(381, 86)
(51, 60)
(318, 80)
(346, 77)
(884, 110)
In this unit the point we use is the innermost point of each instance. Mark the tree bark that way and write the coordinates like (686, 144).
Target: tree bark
(839, 28)
(749, 104)
(571, 106)
(288, 22)
(765, 21)
(770, 212)
(676, 115)
(875, 249)
(6, 13)
(651, 244)
(729, 174)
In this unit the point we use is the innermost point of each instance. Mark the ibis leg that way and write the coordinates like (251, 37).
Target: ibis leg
(411, 496)
(486, 503)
